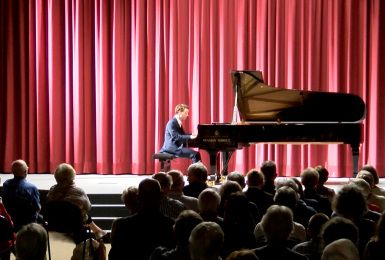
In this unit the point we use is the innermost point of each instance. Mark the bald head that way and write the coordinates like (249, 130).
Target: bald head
(19, 168)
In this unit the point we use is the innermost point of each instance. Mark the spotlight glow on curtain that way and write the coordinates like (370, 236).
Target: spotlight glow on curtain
(93, 82)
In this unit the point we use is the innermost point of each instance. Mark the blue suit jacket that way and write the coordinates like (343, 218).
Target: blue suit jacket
(174, 137)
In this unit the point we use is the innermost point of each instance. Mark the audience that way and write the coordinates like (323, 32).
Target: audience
(208, 205)
(323, 178)
(341, 249)
(376, 189)
(364, 187)
(31, 242)
(301, 211)
(277, 224)
(239, 224)
(269, 170)
(225, 190)
(372, 198)
(309, 179)
(184, 224)
(255, 193)
(168, 206)
(314, 246)
(351, 204)
(206, 241)
(375, 248)
(136, 236)
(196, 177)
(20, 197)
(337, 228)
(65, 189)
(243, 254)
(7, 236)
(229, 187)
(237, 177)
(284, 196)
(176, 191)
(130, 198)
(168, 220)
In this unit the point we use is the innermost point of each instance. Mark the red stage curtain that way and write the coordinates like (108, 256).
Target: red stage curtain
(93, 82)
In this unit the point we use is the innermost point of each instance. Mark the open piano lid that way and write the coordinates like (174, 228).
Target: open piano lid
(258, 102)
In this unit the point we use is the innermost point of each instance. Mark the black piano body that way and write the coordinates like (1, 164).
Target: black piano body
(275, 115)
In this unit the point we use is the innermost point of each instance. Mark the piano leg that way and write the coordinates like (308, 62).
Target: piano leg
(214, 173)
(355, 155)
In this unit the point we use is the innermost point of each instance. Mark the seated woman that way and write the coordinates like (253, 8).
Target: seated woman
(66, 190)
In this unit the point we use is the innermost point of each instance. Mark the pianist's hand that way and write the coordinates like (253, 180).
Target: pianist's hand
(193, 136)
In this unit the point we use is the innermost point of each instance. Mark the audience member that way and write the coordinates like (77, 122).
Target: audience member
(196, 177)
(208, 205)
(130, 198)
(372, 199)
(341, 249)
(229, 187)
(65, 189)
(364, 187)
(206, 241)
(323, 178)
(184, 224)
(237, 177)
(301, 211)
(375, 248)
(309, 179)
(7, 236)
(376, 189)
(176, 191)
(269, 170)
(243, 254)
(309, 202)
(351, 204)
(314, 246)
(284, 196)
(337, 228)
(31, 242)
(225, 191)
(136, 236)
(277, 224)
(239, 224)
(20, 197)
(255, 192)
(168, 206)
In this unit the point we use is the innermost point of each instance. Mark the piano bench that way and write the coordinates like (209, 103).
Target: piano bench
(165, 160)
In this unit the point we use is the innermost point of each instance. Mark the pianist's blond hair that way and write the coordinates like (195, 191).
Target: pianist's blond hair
(180, 108)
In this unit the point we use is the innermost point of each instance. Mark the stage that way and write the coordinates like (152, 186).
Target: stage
(115, 184)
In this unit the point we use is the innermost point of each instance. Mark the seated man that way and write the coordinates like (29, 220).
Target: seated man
(20, 197)
(65, 189)
(196, 177)
(277, 224)
(136, 236)
(175, 137)
(31, 242)
(206, 241)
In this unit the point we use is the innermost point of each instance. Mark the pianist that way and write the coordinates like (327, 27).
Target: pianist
(175, 137)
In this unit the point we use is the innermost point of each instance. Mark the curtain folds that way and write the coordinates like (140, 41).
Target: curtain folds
(93, 82)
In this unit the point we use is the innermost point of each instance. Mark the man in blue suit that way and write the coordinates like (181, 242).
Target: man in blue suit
(175, 137)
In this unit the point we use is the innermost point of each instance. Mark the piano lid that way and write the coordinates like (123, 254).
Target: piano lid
(259, 102)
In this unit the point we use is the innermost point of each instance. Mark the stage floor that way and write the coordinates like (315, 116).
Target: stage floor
(115, 184)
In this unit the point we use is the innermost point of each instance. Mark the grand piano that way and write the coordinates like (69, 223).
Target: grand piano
(275, 115)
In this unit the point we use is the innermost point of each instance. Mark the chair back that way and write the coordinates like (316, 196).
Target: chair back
(65, 217)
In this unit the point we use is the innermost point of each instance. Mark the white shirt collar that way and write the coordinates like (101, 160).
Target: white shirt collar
(178, 119)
